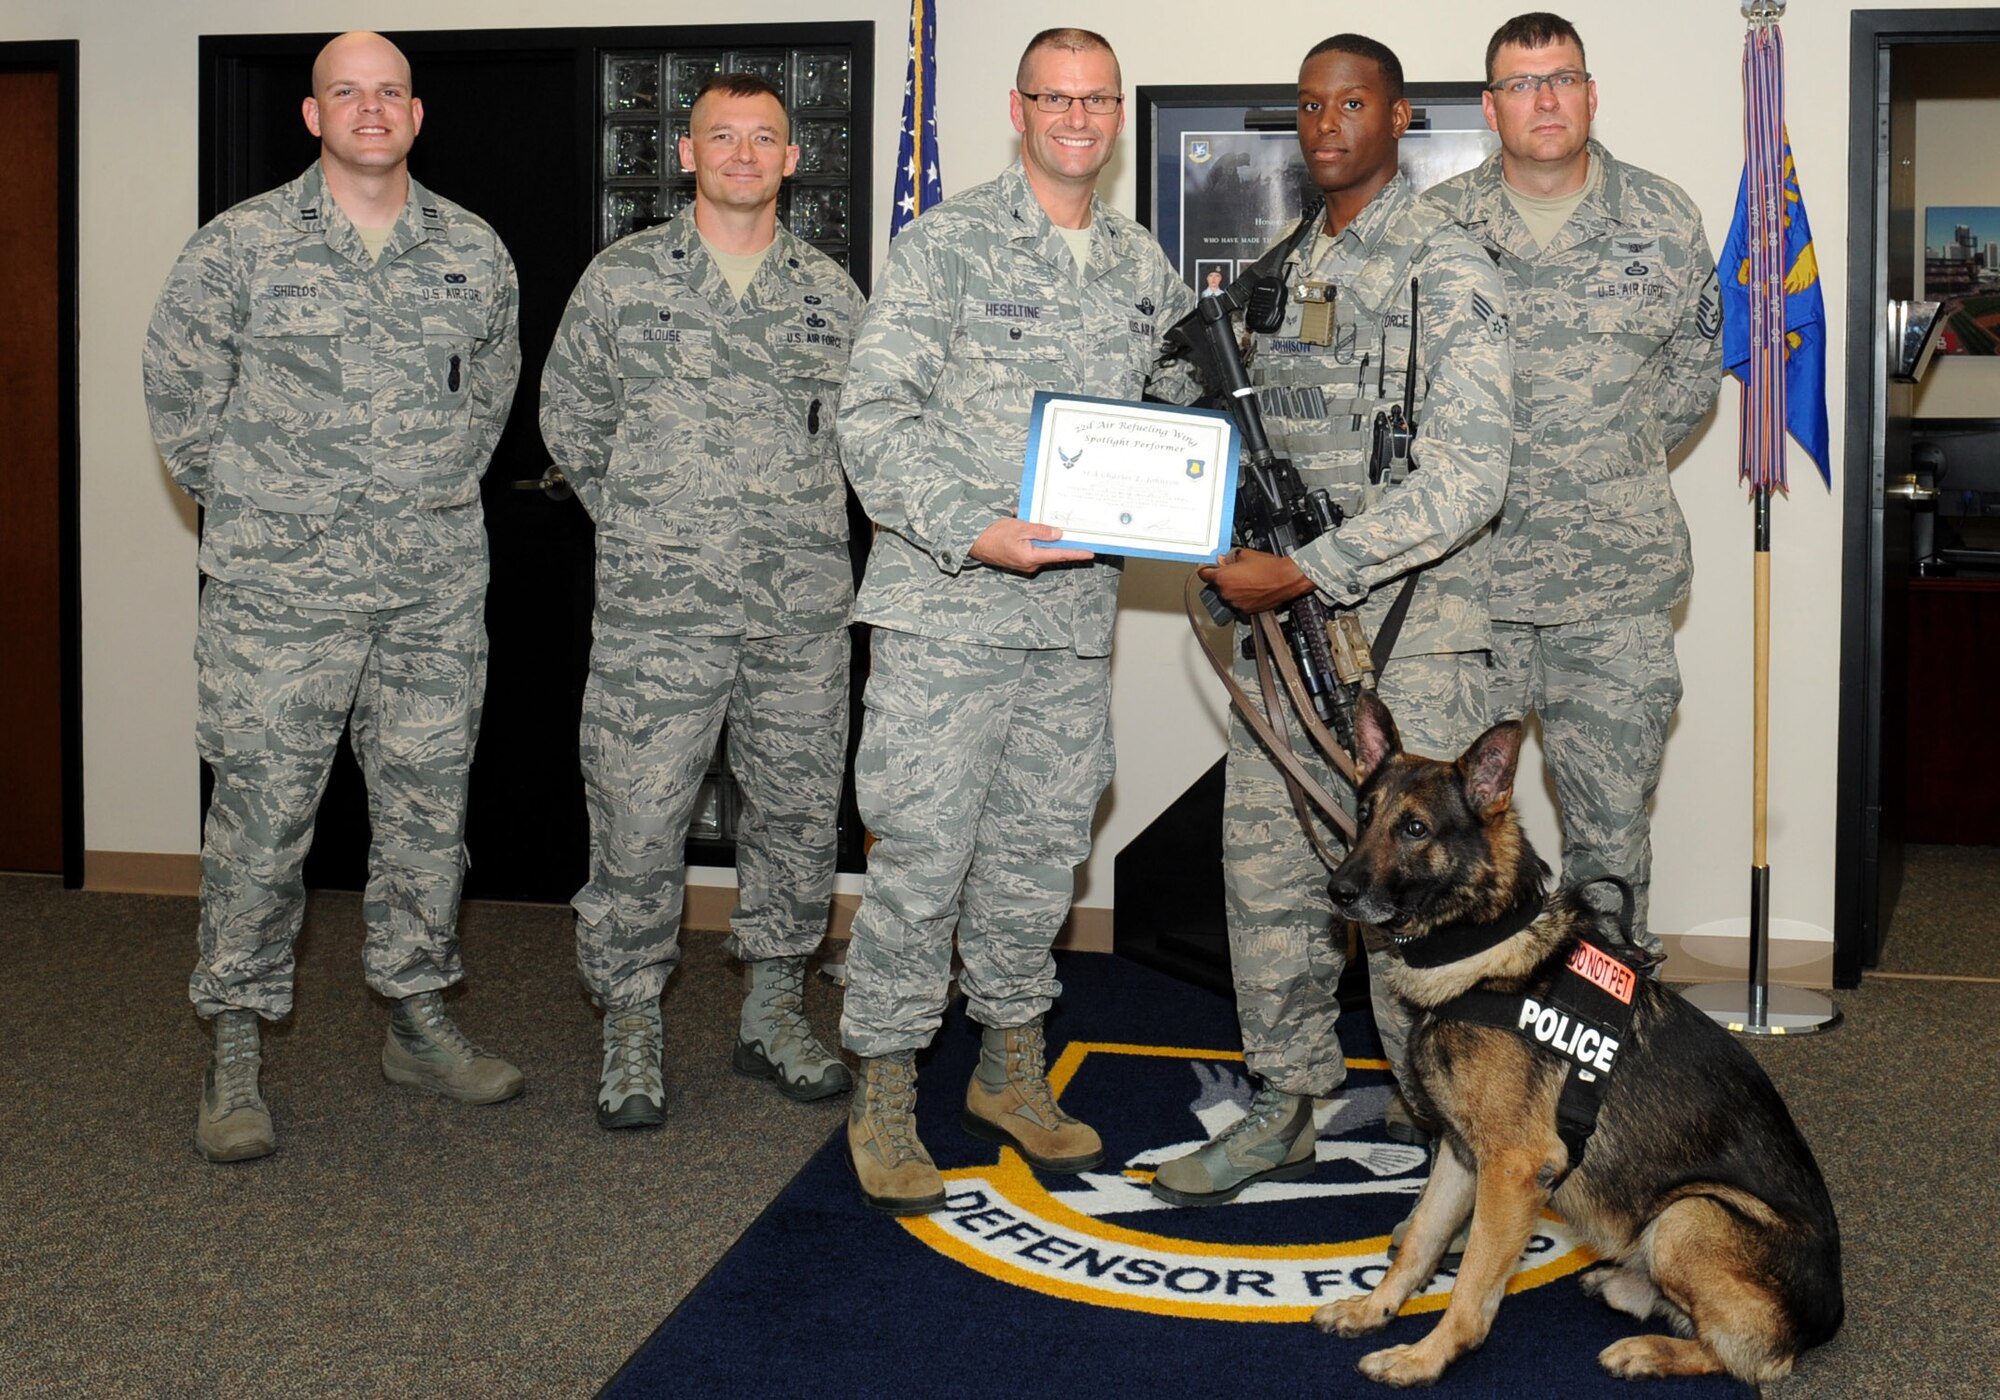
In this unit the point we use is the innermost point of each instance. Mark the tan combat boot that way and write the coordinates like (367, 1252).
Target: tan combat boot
(1009, 1102)
(426, 1051)
(234, 1125)
(897, 1176)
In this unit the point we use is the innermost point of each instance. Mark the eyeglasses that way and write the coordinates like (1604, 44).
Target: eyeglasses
(1524, 84)
(1098, 104)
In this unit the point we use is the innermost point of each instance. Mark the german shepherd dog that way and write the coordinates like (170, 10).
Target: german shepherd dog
(1696, 1188)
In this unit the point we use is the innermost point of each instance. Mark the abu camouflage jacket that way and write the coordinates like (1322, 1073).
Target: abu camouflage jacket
(334, 412)
(1617, 355)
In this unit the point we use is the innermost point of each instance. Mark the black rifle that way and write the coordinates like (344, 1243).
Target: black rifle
(1274, 511)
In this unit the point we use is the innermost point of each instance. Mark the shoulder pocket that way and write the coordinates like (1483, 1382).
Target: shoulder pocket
(1010, 331)
(285, 310)
(665, 352)
(450, 321)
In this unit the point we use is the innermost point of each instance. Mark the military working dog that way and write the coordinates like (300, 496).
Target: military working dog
(1694, 1186)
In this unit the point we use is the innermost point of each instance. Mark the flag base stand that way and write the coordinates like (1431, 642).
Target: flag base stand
(1759, 1008)
(1786, 1010)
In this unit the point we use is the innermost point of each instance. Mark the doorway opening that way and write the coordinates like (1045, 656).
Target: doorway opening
(41, 706)
(1921, 554)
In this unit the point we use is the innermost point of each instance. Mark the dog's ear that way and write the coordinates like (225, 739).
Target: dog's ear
(1375, 736)
(1488, 767)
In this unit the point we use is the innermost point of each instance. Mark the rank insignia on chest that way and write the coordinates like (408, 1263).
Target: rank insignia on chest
(1316, 301)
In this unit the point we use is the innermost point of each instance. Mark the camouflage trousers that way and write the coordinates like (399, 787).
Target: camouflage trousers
(1606, 691)
(652, 710)
(979, 771)
(277, 685)
(1287, 947)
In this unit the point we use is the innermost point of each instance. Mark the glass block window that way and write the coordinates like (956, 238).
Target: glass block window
(645, 97)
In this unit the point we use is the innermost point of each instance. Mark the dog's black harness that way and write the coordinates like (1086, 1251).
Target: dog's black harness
(1583, 1016)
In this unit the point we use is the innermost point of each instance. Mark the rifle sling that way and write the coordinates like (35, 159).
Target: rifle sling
(1279, 747)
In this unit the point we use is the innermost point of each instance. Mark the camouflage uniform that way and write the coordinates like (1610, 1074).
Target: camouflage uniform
(1319, 402)
(333, 414)
(986, 741)
(698, 433)
(1617, 357)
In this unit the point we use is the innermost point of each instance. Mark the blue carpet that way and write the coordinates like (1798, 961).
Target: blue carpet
(1085, 1286)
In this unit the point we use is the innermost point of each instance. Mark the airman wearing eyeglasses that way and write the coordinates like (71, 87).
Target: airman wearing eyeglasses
(1615, 320)
(986, 737)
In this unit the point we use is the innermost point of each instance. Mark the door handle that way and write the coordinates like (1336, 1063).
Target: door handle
(1908, 488)
(553, 484)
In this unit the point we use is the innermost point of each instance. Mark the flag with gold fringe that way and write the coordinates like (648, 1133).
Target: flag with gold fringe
(918, 185)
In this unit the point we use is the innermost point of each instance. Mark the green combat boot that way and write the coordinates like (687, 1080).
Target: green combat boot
(1275, 1141)
(897, 1176)
(1009, 1102)
(425, 1050)
(234, 1125)
(631, 1093)
(1401, 1123)
(776, 1042)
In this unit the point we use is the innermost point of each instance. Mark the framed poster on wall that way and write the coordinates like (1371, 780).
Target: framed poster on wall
(1962, 270)
(1221, 178)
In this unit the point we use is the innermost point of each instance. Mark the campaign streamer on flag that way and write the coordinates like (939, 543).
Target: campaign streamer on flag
(1772, 310)
(918, 185)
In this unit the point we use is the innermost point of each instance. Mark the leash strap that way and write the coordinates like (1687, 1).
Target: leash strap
(1277, 744)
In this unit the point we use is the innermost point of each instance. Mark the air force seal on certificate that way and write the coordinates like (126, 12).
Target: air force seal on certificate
(1141, 479)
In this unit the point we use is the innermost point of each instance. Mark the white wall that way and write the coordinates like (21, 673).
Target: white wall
(1958, 163)
(1669, 83)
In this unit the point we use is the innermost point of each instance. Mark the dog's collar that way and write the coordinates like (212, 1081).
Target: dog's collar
(1450, 942)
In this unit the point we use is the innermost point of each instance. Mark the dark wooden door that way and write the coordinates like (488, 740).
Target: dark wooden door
(31, 700)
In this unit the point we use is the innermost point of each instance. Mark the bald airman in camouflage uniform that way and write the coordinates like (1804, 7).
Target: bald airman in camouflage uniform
(986, 741)
(1321, 388)
(1615, 316)
(327, 372)
(694, 417)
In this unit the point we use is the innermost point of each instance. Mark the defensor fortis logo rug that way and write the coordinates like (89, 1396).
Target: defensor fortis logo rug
(1276, 1253)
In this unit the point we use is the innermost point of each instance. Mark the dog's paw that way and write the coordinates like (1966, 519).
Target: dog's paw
(1649, 1357)
(1402, 1365)
(1352, 1317)
(1592, 1281)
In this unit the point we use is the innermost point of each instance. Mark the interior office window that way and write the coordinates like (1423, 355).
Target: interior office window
(646, 96)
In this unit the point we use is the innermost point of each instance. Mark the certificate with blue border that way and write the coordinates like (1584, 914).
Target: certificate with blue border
(1146, 479)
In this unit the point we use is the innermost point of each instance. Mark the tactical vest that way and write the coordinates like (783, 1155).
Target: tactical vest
(1320, 401)
(1583, 1016)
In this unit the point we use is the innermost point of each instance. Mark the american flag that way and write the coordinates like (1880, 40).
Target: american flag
(917, 183)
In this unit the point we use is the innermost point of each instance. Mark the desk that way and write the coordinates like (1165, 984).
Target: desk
(1951, 686)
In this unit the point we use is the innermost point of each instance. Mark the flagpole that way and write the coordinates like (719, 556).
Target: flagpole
(1760, 1009)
